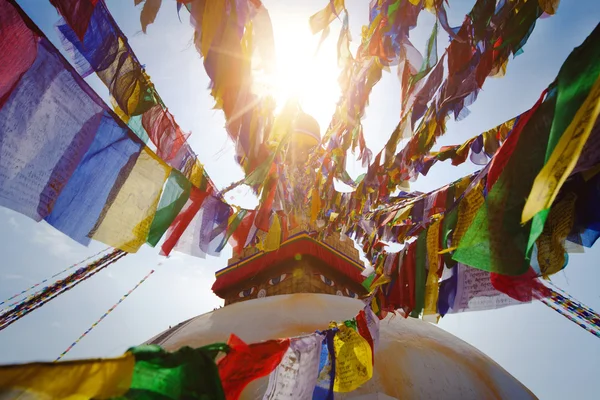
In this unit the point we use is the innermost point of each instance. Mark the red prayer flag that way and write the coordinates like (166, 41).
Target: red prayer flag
(184, 218)
(77, 13)
(525, 287)
(503, 155)
(18, 47)
(240, 234)
(363, 330)
(245, 363)
(407, 280)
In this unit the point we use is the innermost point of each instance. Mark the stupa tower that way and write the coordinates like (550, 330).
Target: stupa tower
(307, 283)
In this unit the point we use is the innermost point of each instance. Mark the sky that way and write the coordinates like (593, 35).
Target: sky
(552, 356)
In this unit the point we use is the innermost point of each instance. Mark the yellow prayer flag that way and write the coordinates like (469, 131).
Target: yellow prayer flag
(590, 173)
(315, 206)
(273, 238)
(127, 221)
(353, 360)
(402, 214)
(195, 173)
(120, 113)
(550, 244)
(461, 186)
(549, 6)
(323, 18)
(431, 285)
(564, 157)
(467, 209)
(429, 5)
(212, 20)
(381, 280)
(73, 380)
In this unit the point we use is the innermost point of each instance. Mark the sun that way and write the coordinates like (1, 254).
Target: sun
(301, 72)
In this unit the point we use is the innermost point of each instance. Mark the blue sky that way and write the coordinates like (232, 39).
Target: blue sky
(552, 356)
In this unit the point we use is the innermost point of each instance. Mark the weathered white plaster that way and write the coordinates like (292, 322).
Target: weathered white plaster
(415, 359)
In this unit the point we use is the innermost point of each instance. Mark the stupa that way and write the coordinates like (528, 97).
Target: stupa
(309, 282)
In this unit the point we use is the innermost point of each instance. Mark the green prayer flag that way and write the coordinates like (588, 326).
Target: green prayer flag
(135, 124)
(496, 241)
(574, 82)
(184, 374)
(448, 225)
(174, 197)
(367, 282)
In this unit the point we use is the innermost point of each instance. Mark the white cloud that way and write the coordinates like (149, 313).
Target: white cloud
(56, 243)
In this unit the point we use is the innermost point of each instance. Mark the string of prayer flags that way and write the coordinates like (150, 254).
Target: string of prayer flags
(506, 28)
(515, 181)
(305, 367)
(496, 241)
(142, 372)
(88, 175)
(107, 53)
(53, 276)
(572, 309)
(223, 36)
(103, 316)
(38, 299)
(103, 48)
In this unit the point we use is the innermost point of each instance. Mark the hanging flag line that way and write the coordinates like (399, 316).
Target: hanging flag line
(572, 309)
(103, 316)
(47, 279)
(50, 292)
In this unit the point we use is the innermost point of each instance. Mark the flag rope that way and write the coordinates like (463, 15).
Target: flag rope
(103, 316)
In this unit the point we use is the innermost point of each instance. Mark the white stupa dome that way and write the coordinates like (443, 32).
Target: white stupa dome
(414, 359)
